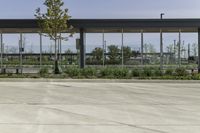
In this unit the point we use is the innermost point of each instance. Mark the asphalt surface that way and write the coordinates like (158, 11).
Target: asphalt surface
(83, 107)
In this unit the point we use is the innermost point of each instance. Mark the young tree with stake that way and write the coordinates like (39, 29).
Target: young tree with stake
(53, 23)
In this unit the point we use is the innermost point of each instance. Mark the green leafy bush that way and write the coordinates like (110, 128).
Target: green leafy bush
(120, 73)
(169, 72)
(73, 71)
(43, 71)
(89, 72)
(158, 72)
(147, 72)
(180, 71)
(195, 77)
(135, 72)
(106, 72)
(114, 73)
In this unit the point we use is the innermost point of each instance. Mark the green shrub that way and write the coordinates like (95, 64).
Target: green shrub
(147, 72)
(43, 71)
(180, 71)
(158, 72)
(168, 77)
(120, 73)
(135, 72)
(89, 72)
(196, 77)
(169, 72)
(73, 71)
(106, 72)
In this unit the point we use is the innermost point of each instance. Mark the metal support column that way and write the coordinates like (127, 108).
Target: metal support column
(60, 51)
(188, 51)
(161, 49)
(40, 50)
(20, 51)
(179, 49)
(82, 48)
(122, 47)
(198, 50)
(142, 47)
(174, 51)
(103, 46)
(1, 51)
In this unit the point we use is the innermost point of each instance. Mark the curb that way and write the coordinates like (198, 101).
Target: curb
(97, 80)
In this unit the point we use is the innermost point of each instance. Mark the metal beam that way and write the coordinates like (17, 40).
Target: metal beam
(198, 50)
(20, 52)
(96, 25)
(142, 47)
(40, 50)
(1, 51)
(122, 47)
(103, 46)
(82, 48)
(175, 51)
(179, 49)
(161, 49)
(60, 51)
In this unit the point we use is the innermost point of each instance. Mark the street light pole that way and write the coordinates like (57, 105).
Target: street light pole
(161, 15)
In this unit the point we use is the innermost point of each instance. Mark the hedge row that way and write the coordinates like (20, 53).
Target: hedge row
(124, 73)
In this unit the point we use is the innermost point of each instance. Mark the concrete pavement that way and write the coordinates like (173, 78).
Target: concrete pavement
(86, 107)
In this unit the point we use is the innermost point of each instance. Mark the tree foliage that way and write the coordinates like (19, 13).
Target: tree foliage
(97, 54)
(54, 21)
(149, 48)
(113, 54)
(127, 53)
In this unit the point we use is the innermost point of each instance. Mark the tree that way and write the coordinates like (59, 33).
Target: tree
(194, 49)
(12, 49)
(135, 53)
(149, 48)
(127, 53)
(69, 58)
(113, 54)
(53, 23)
(97, 54)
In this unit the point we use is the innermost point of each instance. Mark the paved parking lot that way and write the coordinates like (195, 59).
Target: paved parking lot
(77, 107)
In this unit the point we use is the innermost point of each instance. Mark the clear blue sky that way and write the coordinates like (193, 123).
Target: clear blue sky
(108, 9)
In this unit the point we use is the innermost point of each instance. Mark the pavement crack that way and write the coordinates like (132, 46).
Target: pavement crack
(119, 123)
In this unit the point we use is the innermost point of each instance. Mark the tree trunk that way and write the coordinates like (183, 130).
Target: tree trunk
(56, 68)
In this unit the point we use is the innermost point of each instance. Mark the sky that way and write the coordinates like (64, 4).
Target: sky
(12, 9)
